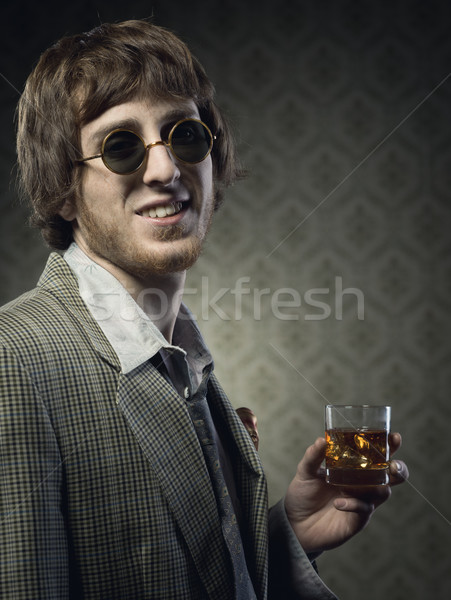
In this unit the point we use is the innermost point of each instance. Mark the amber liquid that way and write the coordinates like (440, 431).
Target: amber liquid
(357, 457)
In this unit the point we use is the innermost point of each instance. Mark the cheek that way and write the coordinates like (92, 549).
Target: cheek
(205, 177)
(99, 186)
(88, 185)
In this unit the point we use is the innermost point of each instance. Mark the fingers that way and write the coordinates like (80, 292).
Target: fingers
(361, 499)
(354, 505)
(399, 472)
(394, 441)
(398, 469)
(312, 459)
(250, 422)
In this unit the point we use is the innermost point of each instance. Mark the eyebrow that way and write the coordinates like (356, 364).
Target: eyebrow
(177, 114)
(98, 136)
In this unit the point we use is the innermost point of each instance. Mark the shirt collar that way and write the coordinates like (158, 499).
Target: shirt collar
(131, 333)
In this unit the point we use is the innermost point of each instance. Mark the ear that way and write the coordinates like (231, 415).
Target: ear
(68, 210)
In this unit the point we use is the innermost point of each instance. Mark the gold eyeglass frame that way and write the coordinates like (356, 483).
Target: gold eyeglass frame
(167, 144)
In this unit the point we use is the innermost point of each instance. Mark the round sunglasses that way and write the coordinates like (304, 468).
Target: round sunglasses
(123, 151)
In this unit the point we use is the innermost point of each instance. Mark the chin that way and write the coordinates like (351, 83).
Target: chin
(181, 256)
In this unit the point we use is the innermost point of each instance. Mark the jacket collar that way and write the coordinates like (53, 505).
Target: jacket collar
(59, 281)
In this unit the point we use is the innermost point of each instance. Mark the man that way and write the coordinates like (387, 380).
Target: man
(125, 471)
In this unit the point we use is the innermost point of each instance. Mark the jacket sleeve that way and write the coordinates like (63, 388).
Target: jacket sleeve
(292, 575)
(33, 545)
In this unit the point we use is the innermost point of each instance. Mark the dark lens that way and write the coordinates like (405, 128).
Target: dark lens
(123, 152)
(191, 141)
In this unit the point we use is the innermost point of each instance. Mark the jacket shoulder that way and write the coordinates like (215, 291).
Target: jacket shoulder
(45, 311)
(57, 279)
(50, 327)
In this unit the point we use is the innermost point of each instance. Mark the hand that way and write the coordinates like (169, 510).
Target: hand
(324, 516)
(250, 422)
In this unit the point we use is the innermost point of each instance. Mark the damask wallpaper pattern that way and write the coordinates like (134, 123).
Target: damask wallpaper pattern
(327, 274)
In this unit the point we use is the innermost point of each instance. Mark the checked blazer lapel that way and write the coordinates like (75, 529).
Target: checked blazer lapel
(251, 485)
(161, 424)
(59, 281)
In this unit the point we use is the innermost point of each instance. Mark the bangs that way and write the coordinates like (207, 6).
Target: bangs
(114, 72)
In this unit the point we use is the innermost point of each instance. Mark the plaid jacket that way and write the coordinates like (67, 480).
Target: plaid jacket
(104, 490)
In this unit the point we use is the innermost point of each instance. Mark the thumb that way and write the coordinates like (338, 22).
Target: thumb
(312, 459)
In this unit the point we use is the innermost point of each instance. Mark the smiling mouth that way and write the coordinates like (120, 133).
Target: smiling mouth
(165, 210)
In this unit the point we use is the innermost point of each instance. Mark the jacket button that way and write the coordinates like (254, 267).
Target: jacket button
(186, 393)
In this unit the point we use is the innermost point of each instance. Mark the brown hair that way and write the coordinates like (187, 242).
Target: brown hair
(79, 78)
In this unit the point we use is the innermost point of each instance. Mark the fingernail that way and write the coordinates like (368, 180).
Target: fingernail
(396, 466)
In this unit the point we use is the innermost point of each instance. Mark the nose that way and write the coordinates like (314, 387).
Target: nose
(160, 166)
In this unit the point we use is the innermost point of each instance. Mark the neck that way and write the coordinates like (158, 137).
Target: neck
(160, 297)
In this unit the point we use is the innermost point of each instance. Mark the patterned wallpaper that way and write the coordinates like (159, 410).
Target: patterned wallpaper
(327, 275)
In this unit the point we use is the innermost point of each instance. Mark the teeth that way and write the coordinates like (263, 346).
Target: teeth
(162, 211)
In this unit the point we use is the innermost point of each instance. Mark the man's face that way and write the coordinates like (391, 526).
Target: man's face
(112, 223)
